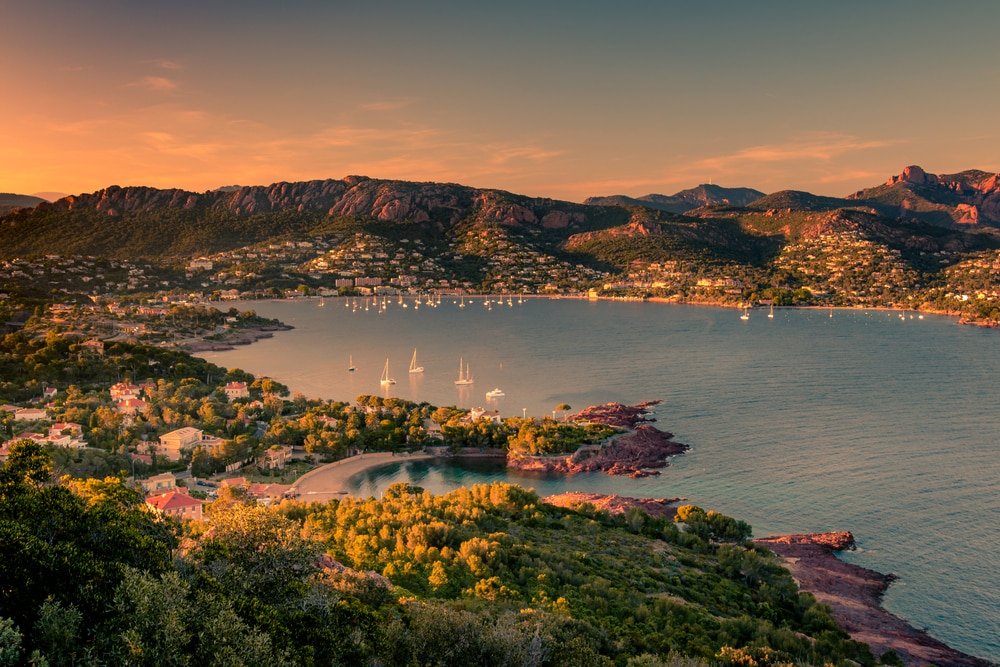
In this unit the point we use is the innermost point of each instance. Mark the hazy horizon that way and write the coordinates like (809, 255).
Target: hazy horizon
(559, 100)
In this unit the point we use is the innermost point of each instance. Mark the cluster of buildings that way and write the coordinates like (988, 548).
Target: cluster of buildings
(59, 434)
(127, 397)
(520, 267)
(68, 273)
(165, 497)
(369, 264)
(974, 279)
(855, 269)
(234, 268)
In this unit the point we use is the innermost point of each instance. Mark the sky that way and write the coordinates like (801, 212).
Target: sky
(565, 99)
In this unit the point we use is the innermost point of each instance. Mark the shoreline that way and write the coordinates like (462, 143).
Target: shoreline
(237, 337)
(328, 481)
(854, 594)
(957, 315)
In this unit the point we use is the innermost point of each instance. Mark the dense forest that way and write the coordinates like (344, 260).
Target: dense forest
(487, 575)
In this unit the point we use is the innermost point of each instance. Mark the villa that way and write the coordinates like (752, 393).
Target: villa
(176, 504)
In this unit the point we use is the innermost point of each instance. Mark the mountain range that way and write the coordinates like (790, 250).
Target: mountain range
(10, 202)
(708, 221)
(685, 200)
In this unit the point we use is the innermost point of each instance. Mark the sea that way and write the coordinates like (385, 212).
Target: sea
(878, 422)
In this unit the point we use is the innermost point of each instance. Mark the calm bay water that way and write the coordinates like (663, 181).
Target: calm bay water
(861, 421)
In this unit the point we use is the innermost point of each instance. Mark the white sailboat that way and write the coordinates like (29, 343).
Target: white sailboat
(464, 375)
(386, 380)
(746, 314)
(770, 314)
(350, 364)
(413, 363)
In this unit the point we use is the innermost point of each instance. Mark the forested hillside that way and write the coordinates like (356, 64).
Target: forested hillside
(487, 575)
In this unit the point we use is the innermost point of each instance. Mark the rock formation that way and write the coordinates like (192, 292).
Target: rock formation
(855, 595)
(615, 504)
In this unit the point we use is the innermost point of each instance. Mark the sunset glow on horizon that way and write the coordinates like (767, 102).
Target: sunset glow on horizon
(556, 99)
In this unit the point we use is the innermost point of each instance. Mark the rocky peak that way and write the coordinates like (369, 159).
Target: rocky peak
(912, 174)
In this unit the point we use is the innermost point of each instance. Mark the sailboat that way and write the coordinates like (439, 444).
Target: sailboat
(386, 380)
(831, 311)
(464, 376)
(746, 314)
(350, 364)
(770, 314)
(413, 363)
(462, 304)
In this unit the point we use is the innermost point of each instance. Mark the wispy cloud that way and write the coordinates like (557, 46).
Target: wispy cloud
(165, 142)
(387, 105)
(850, 175)
(160, 84)
(404, 136)
(164, 63)
(818, 146)
(821, 157)
(501, 154)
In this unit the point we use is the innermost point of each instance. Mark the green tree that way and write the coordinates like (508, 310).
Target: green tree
(10, 643)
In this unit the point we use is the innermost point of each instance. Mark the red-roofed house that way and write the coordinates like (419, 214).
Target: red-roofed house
(175, 503)
(72, 428)
(475, 414)
(30, 414)
(122, 390)
(236, 390)
(236, 482)
(159, 484)
(269, 493)
(67, 434)
(182, 439)
(5, 447)
(275, 457)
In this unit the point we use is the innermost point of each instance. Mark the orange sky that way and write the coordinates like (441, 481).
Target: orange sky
(545, 101)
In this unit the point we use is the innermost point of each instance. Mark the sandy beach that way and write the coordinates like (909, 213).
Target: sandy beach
(329, 481)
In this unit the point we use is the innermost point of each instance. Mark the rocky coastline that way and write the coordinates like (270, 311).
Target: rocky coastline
(640, 452)
(232, 338)
(854, 594)
(616, 505)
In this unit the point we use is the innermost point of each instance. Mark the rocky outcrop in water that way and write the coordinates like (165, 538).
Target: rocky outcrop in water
(615, 504)
(618, 415)
(639, 453)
